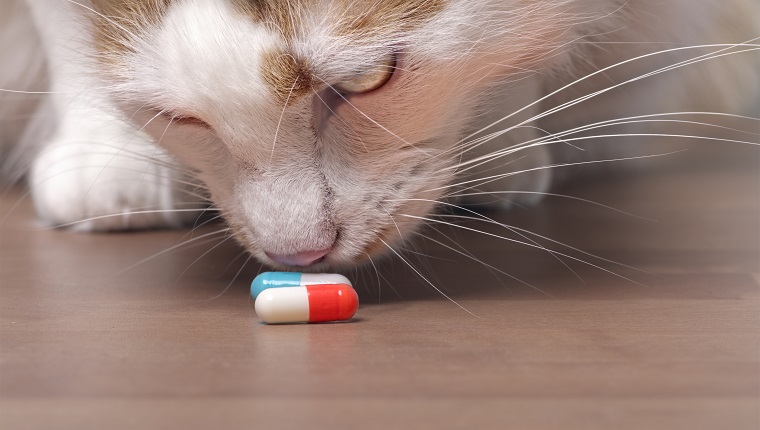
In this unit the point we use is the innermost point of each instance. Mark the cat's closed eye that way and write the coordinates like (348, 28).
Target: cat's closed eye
(369, 80)
(182, 119)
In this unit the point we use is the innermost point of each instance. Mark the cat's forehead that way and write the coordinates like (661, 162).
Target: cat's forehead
(286, 17)
(345, 16)
(292, 22)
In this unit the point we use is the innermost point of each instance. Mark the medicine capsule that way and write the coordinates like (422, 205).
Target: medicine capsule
(310, 303)
(293, 279)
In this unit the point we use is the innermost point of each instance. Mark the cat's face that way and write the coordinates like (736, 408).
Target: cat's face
(317, 125)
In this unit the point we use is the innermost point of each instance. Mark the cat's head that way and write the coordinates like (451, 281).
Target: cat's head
(324, 129)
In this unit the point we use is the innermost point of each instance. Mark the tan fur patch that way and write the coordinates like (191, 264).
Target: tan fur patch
(384, 16)
(278, 15)
(117, 20)
(290, 77)
(352, 17)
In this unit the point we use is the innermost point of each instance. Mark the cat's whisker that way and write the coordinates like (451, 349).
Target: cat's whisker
(154, 117)
(124, 156)
(488, 179)
(208, 251)
(678, 65)
(426, 256)
(233, 261)
(557, 51)
(646, 119)
(489, 267)
(191, 234)
(125, 26)
(131, 155)
(348, 124)
(425, 279)
(282, 114)
(28, 192)
(186, 243)
(122, 214)
(393, 220)
(370, 119)
(378, 276)
(559, 137)
(126, 169)
(46, 93)
(548, 194)
(512, 227)
(693, 60)
(545, 141)
(136, 155)
(234, 278)
(155, 149)
(683, 63)
(517, 230)
(508, 239)
(220, 215)
(489, 158)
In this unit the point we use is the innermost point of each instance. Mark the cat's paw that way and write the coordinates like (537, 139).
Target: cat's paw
(86, 183)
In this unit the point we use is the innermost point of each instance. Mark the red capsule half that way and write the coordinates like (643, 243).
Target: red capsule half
(331, 302)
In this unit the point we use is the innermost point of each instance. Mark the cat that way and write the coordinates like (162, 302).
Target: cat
(326, 131)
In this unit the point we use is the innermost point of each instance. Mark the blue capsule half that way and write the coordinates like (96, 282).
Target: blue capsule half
(293, 279)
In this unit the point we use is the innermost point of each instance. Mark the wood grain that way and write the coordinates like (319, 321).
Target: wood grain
(672, 342)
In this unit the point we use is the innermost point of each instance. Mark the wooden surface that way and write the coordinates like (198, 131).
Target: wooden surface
(86, 344)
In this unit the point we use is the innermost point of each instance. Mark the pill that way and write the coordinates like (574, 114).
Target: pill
(293, 279)
(310, 303)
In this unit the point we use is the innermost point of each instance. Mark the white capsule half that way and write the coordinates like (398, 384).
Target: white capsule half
(323, 278)
(283, 305)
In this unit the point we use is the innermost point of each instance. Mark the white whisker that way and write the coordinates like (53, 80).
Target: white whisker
(560, 136)
(124, 214)
(282, 114)
(487, 179)
(170, 249)
(566, 105)
(205, 254)
(480, 217)
(370, 119)
(522, 243)
(426, 280)
(233, 279)
(488, 266)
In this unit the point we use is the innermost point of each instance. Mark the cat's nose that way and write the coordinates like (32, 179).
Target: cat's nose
(305, 258)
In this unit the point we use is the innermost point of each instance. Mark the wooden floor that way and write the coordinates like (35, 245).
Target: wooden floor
(95, 335)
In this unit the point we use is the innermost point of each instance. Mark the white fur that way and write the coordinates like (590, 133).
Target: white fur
(96, 163)
(349, 182)
(24, 121)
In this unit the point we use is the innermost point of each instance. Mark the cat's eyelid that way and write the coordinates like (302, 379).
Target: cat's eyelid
(191, 120)
(370, 80)
(178, 118)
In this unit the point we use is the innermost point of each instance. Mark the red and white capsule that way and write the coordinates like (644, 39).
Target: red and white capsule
(307, 304)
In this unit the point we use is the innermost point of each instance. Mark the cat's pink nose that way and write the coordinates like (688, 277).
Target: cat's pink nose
(306, 258)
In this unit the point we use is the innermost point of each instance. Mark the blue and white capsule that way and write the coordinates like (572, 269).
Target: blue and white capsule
(294, 279)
